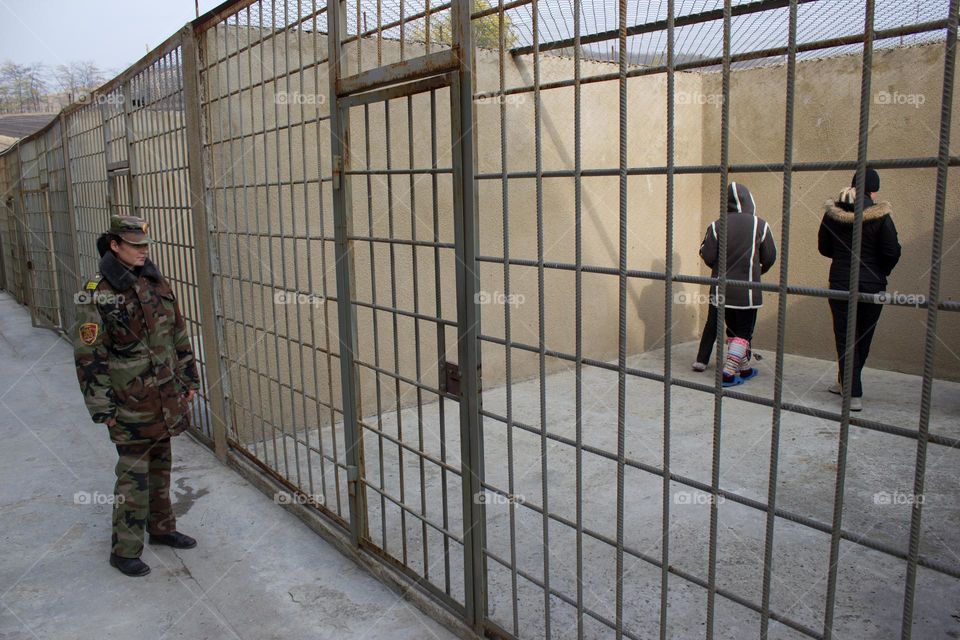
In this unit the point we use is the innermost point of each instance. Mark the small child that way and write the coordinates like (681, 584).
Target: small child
(751, 252)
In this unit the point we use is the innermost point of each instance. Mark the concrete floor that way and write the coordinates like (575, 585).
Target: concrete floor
(869, 599)
(258, 572)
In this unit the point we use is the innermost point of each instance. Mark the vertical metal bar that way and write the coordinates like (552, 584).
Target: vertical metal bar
(130, 138)
(441, 335)
(466, 237)
(378, 389)
(306, 216)
(391, 250)
(933, 302)
(541, 320)
(668, 330)
(328, 357)
(415, 268)
(621, 305)
(68, 194)
(276, 418)
(507, 326)
(852, 303)
(346, 312)
(261, 402)
(287, 338)
(207, 258)
(578, 285)
(721, 325)
(237, 276)
(781, 323)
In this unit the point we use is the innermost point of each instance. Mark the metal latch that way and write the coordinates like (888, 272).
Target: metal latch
(451, 378)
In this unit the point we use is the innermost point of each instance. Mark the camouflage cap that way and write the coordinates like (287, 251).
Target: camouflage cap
(131, 228)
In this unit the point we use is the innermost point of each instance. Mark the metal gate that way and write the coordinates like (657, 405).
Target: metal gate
(409, 258)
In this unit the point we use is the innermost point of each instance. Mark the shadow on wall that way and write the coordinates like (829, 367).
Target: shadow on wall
(648, 305)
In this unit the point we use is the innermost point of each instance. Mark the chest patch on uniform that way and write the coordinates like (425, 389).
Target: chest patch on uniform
(89, 332)
(92, 284)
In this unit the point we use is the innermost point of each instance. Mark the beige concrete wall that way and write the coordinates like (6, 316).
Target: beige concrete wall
(288, 150)
(904, 122)
(265, 208)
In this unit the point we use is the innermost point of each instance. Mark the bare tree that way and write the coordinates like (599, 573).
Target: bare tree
(77, 78)
(23, 87)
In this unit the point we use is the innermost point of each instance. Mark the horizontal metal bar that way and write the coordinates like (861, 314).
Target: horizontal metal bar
(238, 447)
(412, 511)
(397, 91)
(424, 66)
(397, 172)
(871, 425)
(707, 488)
(414, 243)
(773, 287)
(218, 14)
(925, 162)
(413, 450)
(264, 132)
(402, 378)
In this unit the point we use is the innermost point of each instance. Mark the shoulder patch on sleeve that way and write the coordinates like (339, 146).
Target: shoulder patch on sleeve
(89, 331)
(93, 282)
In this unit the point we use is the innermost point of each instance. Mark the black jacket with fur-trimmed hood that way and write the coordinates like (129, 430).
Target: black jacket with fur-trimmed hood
(751, 249)
(879, 250)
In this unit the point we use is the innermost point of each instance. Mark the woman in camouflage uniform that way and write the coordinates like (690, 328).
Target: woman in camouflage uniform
(137, 373)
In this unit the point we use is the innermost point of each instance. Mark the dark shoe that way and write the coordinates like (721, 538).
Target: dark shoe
(176, 540)
(129, 566)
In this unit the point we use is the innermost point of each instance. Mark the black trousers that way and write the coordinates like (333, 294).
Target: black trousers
(868, 315)
(739, 324)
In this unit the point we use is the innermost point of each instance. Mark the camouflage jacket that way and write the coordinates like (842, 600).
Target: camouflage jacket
(133, 355)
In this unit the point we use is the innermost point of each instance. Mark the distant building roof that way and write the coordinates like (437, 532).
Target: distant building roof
(20, 125)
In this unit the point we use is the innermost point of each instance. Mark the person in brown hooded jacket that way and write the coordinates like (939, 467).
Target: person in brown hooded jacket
(879, 254)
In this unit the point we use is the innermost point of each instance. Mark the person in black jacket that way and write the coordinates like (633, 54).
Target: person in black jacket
(879, 253)
(751, 251)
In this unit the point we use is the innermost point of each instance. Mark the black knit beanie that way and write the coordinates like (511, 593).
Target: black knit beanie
(871, 181)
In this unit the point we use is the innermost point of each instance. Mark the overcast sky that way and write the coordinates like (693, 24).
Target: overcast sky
(112, 33)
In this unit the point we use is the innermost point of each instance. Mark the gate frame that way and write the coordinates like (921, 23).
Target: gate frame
(453, 68)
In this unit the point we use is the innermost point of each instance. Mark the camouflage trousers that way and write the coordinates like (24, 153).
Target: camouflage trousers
(143, 496)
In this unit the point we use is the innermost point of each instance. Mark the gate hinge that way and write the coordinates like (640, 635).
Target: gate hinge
(337, 171)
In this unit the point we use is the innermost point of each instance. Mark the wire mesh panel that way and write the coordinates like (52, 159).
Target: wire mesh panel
(63, 245)
(38, 233)
(13, 248)
(88, 188)
(264, 77)
(155, 139)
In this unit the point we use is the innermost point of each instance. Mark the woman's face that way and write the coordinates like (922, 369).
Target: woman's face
(131, 255)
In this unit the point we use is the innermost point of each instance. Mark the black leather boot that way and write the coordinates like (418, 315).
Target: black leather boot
(129, 566)
(176, 540)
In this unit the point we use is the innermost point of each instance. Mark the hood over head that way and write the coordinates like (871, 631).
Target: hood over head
(739, 199)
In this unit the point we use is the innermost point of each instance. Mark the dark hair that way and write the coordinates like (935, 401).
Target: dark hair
(103, 242)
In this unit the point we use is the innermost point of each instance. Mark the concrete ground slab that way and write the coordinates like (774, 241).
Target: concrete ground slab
(879, 477)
